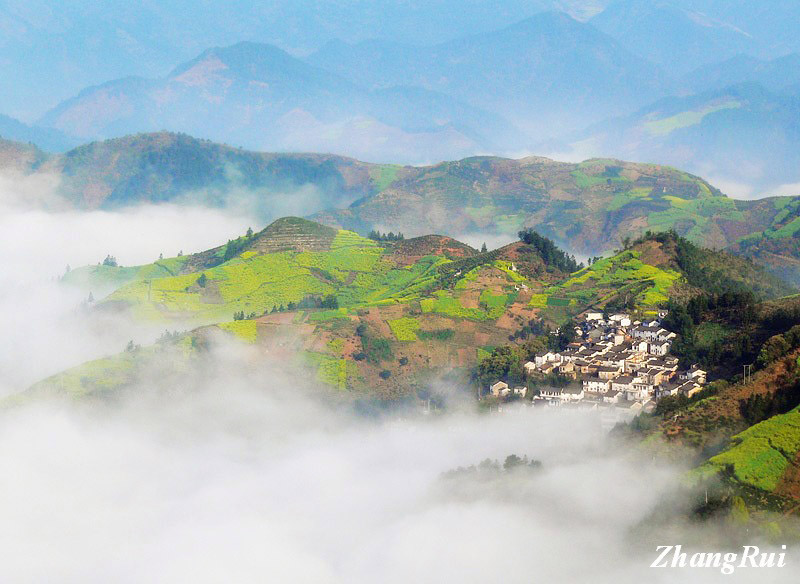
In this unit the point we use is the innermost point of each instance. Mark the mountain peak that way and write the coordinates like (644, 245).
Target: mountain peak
(293, 234)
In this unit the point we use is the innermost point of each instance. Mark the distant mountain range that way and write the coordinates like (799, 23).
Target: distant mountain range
(260, 97)
(607, 79)
(382, 101)
(547, 74)
(677, 38)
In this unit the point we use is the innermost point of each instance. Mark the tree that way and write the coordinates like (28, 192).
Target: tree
(550, 253)
(249, 232)
(330, 302)
(202, 280)
(110, 261)
(385, 374)
(161, 256)
(90, 299)
(512, 461)
(484, 249)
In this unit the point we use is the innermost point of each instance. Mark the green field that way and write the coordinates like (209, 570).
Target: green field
(761, 454)
(405, 328)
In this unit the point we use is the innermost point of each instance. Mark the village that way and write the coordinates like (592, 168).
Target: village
(615, 362)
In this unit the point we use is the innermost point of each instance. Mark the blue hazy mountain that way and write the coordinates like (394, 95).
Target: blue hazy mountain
(260, 97)
(741, 134)
(673, 37)
(546, 73)
(44, 138)
(775, 74)
(49, 51)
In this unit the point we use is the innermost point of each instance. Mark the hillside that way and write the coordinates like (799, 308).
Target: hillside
(19, 157)
(164, 167)
(361, 314)
(777, 247)
(740, 432)
(588, 207)
(391, 316)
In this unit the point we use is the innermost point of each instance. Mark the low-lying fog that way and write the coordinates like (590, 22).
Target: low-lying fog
(241, 474)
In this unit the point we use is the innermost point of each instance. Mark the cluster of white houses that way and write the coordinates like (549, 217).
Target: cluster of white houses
(616, 361)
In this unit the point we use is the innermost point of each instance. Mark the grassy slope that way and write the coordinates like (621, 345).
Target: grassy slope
(760, 456)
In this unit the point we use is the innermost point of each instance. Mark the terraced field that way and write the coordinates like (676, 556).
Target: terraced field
(619, 275)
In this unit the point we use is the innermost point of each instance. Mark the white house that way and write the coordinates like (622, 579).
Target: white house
(694, 373)
(571, 393)
(597, 385)
(659, 348)
(548, 357)
(594, 316)
(624, 383)
(500, 389)
(620, 318)
(550, 392)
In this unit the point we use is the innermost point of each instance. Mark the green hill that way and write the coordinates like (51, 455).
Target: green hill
(387, 317)
(591, 206)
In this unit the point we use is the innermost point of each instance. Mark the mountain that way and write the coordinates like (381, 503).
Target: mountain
(387, 317)
(46, 138)
(775, 75)
(676, 38)
(744, 135)
(777, 247)
(742, 434)
(587, 207)
(78, 44)
(548, 73)
(19, 157)
(163, 167)
(360, 313)
(259, 96)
